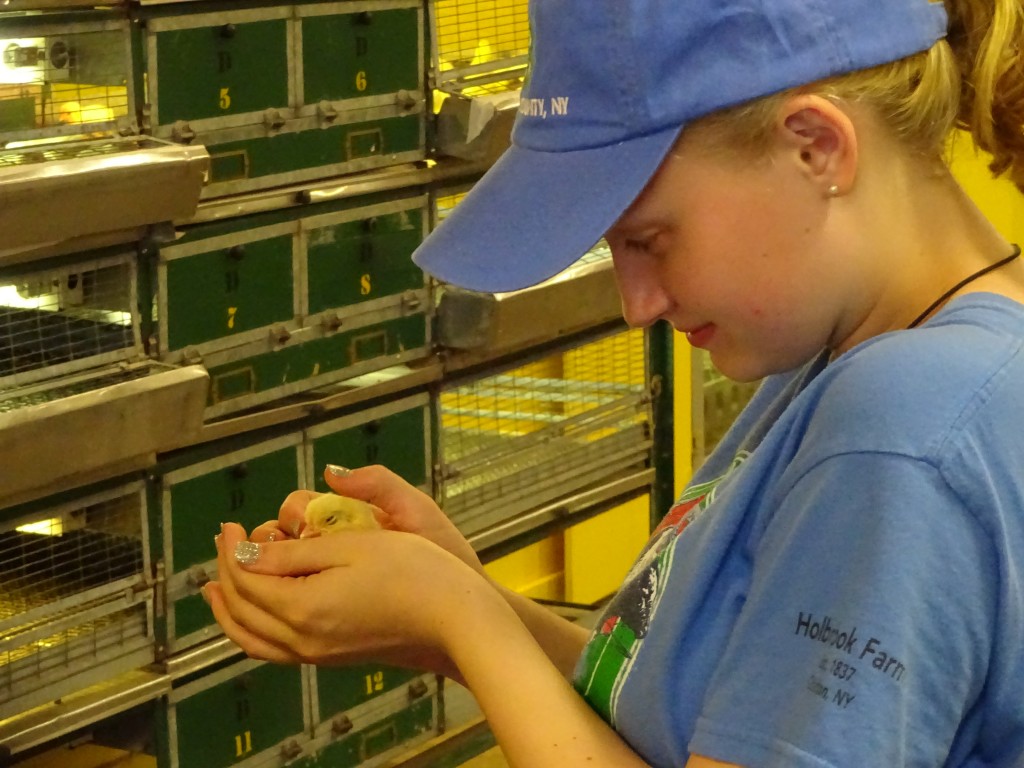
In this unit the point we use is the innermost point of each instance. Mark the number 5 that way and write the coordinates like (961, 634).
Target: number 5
(225, 98)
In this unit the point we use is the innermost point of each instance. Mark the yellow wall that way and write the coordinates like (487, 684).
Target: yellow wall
(999, 199)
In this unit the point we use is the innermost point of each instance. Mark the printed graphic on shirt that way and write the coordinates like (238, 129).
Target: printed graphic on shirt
(610, 652)
(848, 659)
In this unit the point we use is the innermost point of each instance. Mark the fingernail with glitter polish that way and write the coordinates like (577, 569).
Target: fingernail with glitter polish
(247, 552)
(337, 471)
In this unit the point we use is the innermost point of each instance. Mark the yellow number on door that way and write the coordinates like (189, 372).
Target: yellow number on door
(225, 98)
(232, 311)
(374, 682)
(243, 744)
(364, 285)
(361, 80)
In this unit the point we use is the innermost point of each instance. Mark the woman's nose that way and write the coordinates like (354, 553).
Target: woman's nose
(643, 294)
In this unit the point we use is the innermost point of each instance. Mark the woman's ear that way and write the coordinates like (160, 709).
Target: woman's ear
(822, 140)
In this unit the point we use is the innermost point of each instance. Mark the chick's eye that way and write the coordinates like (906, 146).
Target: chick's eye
(330, 520)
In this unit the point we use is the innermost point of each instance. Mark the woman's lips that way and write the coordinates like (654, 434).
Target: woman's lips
(701, 335)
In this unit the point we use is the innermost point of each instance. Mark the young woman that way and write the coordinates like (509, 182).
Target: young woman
(842, 584)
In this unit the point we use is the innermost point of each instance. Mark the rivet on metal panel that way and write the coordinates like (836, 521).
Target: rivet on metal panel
(365, 18)
(405, 99)
(181, 131)
(326, 111)
(192, 356)
(341, 725)
(417, 689)
(273, 119)
(240, 471)
(331, 322)
(236, 252)
(280, 334)
(410, 302)
(197, 577)
(290, 750)
(228, 31)
(656, 385)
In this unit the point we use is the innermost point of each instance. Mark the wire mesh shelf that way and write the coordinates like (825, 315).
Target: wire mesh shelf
(72, 592)
(54, 321)
(70, 80)
(519, 439)
(482, 46)
(722, 400)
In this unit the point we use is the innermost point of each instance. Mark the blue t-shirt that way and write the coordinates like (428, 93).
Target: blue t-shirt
(842, 583)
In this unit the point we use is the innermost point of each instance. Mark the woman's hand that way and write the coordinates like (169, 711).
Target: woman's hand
(405, 508)
(350, 597)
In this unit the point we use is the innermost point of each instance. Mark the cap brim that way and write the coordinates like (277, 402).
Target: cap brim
(535, 213)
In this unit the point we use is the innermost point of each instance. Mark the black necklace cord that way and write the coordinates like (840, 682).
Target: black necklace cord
(970, 278)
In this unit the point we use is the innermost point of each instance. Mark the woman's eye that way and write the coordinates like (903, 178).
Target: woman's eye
(639, 245)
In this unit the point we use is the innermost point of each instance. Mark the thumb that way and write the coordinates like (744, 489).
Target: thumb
(374, 484)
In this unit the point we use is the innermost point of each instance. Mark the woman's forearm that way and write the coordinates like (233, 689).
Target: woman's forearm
(537, 717)
(560, 639)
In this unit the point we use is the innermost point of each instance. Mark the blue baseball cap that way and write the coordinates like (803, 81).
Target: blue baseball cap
(611, 84)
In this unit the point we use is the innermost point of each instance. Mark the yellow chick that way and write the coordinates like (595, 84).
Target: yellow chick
(331, 513)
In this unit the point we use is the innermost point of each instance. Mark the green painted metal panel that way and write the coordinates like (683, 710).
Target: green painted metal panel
(226, 69)
(316, 358)
(228, 291)
(247, 492)
(341, 689)
(191, 613)
(17, 114)
(367, 743)
(240, 717)
(363, 260)
(397, 441)
(367, 53)
(315, 148)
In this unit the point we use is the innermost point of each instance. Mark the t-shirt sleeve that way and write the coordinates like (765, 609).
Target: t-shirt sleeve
(864, 637)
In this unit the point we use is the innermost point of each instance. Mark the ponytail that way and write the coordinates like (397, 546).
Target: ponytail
(987, 39)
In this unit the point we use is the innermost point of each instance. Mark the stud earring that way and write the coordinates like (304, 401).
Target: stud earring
(833, 191)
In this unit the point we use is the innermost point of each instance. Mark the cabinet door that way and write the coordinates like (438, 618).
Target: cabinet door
(224, 65)
(228, 290)
(341, 688)
(360, 53)
(357, 261)
(397, 441)
(245, 490)
(230, 721)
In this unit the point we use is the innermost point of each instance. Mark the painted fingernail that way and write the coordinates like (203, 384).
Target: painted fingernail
(203, 592)
(337, 471)
(272, 535)
(247, 552)
(296, 529)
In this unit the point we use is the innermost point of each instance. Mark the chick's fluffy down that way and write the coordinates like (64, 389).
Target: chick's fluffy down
(331, 513)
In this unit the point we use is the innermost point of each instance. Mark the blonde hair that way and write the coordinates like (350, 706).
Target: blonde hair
(973, 80)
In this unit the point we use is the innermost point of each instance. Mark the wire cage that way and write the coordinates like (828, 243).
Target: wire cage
(522, 438)
(481, 46)
(720, 402)
(75, 603)
(63, 79)
(59, 322)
